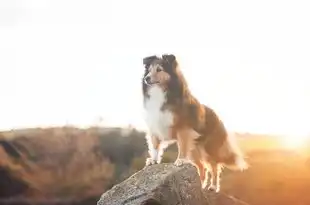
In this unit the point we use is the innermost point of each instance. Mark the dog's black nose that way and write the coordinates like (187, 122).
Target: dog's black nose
(148, 79)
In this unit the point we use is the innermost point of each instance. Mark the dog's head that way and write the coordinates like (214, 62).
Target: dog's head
(159, 70)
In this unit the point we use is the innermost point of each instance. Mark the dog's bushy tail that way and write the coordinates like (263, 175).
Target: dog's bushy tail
(231, 156)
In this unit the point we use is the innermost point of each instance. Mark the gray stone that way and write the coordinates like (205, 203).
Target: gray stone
(161, 184)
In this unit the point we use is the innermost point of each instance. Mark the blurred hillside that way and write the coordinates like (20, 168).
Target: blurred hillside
(65, 163)
(78, 165)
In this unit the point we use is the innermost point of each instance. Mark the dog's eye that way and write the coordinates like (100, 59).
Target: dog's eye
(158, 69)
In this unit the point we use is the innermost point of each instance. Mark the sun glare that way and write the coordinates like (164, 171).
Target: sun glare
(295, 142)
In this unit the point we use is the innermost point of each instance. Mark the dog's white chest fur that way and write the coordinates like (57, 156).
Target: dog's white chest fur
(158, 121)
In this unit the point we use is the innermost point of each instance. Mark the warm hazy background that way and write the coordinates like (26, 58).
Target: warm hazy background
(71, 63)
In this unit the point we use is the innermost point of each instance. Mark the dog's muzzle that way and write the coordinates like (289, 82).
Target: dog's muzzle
(147, 81)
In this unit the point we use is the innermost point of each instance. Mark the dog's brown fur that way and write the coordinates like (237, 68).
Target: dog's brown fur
(200, 134)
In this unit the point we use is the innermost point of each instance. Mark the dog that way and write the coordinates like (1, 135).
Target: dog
(173, 115)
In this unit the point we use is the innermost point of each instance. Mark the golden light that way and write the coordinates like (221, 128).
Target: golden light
(295, 142)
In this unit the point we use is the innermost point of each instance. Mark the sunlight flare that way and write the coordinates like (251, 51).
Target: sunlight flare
(295, 142)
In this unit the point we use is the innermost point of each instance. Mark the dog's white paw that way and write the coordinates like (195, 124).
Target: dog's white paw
(158, 161)
(150, 161)
(214, 188)
(180, 162)
(204, 184)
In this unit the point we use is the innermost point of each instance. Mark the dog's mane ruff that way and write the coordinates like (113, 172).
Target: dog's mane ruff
(178, 90)
(183, 102)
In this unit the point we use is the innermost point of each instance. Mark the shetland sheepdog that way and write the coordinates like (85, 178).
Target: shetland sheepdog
(174, 115)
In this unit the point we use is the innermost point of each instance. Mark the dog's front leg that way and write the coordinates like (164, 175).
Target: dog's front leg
(215, 172)
(161, 148)
(153, 148)
(183, 149)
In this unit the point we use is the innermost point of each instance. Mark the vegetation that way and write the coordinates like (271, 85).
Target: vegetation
(70, 163)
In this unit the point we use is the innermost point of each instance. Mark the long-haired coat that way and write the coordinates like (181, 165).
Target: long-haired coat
(173, 114)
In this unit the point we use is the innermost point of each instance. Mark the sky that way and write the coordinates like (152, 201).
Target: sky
(72, 61)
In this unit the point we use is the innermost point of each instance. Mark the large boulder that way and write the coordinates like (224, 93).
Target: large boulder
(163, 184)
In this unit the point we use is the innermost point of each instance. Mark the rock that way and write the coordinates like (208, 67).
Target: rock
(161, 184)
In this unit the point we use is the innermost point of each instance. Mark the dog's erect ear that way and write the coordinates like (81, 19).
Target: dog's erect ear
(169, 57)
(148, 60)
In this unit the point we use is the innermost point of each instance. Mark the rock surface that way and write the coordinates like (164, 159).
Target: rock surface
(165, 184)
(162, 184)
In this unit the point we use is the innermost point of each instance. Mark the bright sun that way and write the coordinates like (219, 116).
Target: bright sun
(295, 142)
